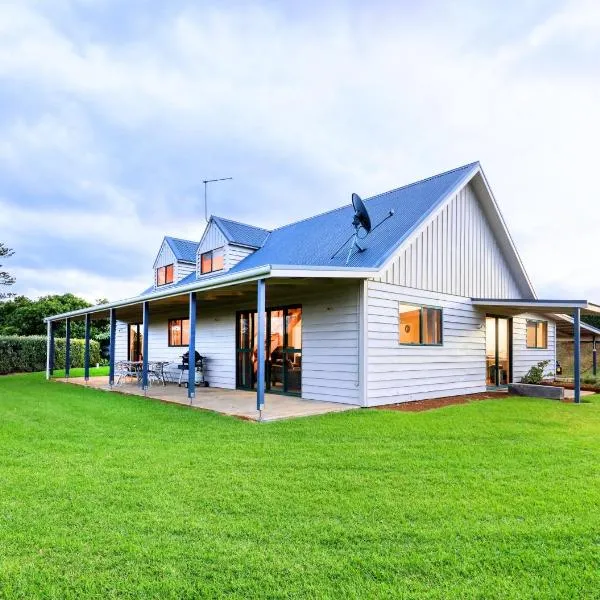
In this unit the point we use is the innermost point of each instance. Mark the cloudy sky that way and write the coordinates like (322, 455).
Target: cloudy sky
(112, 113)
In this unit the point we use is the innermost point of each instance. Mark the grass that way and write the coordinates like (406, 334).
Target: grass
(94, 372)
(105, 496)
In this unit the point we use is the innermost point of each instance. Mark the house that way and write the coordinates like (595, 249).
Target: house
(434, 301)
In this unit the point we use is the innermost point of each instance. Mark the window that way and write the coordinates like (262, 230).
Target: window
(537, 334)
(164, 275)
(179, 332)
(212, 261)
(420, 325)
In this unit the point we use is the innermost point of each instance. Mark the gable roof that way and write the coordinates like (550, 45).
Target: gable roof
(324, 240)
(241, 233)
(184, 250)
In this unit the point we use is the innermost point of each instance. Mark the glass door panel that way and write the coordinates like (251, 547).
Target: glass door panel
(134, 348)
(275, 351)
(490, 350)
(246, 354)
(497, 351)
(503, 352)
(293, 350)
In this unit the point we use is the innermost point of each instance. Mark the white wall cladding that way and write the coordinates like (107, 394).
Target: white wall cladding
(183, 269)
(213, 238)
(121, 341)
(456, 253)
(234, 254)
(524, 358)
(400, 373)
(329, 338)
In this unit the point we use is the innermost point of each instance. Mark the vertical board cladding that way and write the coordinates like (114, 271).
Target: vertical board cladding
(456, 253)
(165, 256)
(213, 238)
(330, 339)
(401, 373)
(523, 357)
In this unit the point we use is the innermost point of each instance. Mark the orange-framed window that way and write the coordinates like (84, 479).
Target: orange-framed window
(179, 332)
(212, 261)
(164, 275)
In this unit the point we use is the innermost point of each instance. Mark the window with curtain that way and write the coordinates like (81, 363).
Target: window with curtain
(419, 325)
(537, 334)
(212, 261)
(164, 275)
(179, 332)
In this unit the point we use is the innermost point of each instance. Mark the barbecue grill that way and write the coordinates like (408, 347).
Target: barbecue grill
(198, 367)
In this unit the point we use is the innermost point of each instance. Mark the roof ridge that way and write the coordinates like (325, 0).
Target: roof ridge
(381, 194)
(170, 237)
(240, 223)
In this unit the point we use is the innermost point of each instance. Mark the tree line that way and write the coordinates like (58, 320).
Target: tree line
(20, 315)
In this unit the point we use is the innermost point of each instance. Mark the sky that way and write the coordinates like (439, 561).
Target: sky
(112, 113)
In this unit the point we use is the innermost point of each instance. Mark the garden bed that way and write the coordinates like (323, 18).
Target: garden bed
(420, 405)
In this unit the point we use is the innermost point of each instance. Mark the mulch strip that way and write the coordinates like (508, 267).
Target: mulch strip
(421, 405)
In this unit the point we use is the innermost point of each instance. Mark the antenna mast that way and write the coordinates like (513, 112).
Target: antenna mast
(206, 181)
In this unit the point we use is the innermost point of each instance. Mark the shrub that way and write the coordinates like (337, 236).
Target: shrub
(535, 375)
(23, 354)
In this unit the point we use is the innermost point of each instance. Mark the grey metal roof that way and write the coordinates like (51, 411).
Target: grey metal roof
(241, 233)
(314, 241)
(184, 250)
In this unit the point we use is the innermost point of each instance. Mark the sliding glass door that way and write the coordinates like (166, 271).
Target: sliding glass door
(283, 350)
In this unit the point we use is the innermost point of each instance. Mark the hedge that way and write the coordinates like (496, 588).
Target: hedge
(23, 354)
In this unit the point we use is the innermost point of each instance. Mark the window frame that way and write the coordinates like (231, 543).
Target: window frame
(164, 270)
(536, 322)
(169, 340)
(211, 253)
(421, 308)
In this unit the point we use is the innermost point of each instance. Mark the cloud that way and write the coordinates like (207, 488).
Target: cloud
(112, 116)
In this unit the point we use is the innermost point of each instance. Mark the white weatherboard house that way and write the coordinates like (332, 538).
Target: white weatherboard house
(435, 302)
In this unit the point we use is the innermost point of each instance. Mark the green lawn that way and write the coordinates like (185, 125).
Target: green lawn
(103, 495)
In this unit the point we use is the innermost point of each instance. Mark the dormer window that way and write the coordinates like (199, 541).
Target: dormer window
(164, 275)
(212, 261)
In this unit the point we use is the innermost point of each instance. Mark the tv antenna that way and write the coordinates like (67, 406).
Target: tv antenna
(205, 182)
(361, 221)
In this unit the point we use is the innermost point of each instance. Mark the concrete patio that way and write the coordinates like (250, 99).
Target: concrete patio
(237, 403)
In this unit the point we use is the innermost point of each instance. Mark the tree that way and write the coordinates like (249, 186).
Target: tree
(22, 316)
(5, 277)
(593, 320)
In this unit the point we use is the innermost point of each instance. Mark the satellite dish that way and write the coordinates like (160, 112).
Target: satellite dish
(361, 216)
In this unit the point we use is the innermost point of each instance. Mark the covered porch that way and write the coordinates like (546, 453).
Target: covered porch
(287, 332)
(567, 315)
